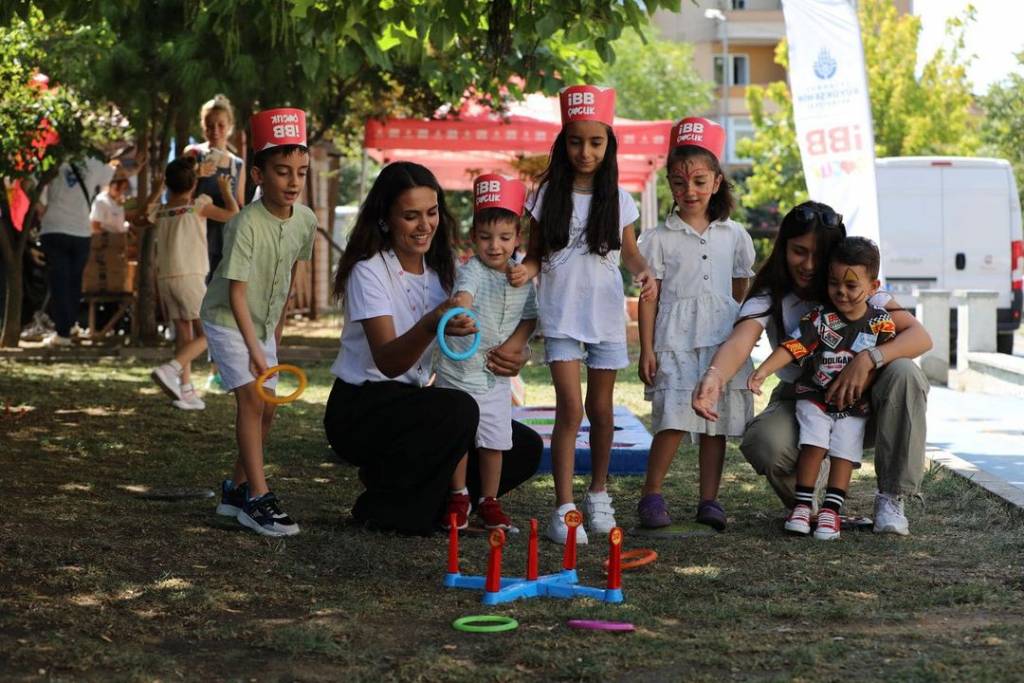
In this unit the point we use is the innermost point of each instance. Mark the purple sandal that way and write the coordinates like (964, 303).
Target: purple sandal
(712, 513)
(653, 512)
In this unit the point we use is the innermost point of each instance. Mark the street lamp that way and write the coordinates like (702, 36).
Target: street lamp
(719, 16)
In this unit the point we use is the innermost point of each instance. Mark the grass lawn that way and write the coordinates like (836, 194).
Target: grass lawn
(99, 582)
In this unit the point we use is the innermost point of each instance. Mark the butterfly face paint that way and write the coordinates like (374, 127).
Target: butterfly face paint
(849, 288)
(693, 182)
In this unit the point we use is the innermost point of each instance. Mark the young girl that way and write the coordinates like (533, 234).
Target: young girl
(581, 220)
(702, 261)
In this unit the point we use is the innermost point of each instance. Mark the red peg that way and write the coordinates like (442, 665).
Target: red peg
(453, 546)
(493, 584)
(573, 518)
(531, 553)
(615, 558)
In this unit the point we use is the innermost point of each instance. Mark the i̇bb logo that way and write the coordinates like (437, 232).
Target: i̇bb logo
(833, 140)
(580, 98)
(286, 131)
(488, 186)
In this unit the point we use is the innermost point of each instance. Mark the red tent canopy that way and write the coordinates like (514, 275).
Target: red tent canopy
(481, 141)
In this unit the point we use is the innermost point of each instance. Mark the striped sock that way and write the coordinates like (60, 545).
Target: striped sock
(834, 499)
(805, 495)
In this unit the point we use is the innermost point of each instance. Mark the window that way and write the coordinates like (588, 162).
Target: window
(739, 72)
(740, 128)
(739, 4)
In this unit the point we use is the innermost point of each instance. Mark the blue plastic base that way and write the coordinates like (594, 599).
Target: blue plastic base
(631, 441)
(564, 584)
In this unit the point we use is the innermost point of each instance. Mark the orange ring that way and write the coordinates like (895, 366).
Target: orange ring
(642, 556)
(278, 400)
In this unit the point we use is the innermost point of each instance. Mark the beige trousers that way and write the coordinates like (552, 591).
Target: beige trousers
(896, 429)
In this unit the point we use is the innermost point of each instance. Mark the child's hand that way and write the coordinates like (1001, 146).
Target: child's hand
(517, 275)
(648, 367)
(754, 382)
(224, 184)
(648, 285)
(257, 362)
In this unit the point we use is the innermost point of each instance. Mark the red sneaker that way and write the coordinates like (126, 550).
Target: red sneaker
(458, 503)
(492, 516)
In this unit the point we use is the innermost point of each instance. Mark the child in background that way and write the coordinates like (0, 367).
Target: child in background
(243, 311)
(702, 261)
(181, 267)
(107, 212)
(581, 221)
(828, 338)
(503, 312)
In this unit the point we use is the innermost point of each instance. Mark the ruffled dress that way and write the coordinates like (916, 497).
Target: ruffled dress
(696, 313)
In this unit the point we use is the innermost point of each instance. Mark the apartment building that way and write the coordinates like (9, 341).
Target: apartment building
(733, 40)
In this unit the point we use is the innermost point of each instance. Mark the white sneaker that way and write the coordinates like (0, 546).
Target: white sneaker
(558, 531)
(55, 340)
(598, 512)
(889, 517)
(189, 399)
(168, 378)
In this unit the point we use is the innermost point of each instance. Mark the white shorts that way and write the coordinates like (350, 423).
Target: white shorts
(843, 437)
(495, 428)
(229, 352)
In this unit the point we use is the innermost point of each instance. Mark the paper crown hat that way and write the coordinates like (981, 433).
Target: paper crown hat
(493, 191)
(587, 103)
(698, 132)
(276, 127)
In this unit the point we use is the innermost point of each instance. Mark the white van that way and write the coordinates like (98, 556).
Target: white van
(952, 223)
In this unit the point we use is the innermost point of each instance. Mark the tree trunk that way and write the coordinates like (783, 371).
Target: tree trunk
(144, 320)
(12, 247)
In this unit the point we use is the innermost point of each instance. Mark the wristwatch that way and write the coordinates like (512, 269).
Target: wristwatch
(876, 357)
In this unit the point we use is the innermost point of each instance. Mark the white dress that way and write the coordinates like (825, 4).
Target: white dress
(696, 313)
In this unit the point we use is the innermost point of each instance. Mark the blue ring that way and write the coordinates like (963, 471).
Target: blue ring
(451, 313)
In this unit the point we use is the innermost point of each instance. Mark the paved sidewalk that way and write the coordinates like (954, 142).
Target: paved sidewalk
(981, 437)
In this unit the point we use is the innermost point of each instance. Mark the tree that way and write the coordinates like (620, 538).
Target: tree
(42, 125)
(1002, 129)
(341, 61)
(912, 115)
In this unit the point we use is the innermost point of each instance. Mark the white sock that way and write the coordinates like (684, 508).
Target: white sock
(463, 491)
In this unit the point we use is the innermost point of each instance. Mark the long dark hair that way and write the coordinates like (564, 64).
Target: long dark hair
(556, 215)
(773, 279)
(368, 239)
(722, 202)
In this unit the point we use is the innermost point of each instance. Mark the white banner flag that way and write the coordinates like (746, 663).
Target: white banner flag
(831, 109)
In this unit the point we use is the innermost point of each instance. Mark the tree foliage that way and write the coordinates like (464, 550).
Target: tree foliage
(912, 115)
(1002, 129)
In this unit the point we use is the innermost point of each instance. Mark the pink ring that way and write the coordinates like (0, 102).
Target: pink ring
(598, 625)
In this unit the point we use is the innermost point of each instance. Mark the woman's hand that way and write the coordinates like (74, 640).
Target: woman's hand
(508, 359)
(648, 367)
(846, 389)
(459, 326)
(754, 382)
(705, 398)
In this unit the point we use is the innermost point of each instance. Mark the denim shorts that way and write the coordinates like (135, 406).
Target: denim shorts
(599, 356)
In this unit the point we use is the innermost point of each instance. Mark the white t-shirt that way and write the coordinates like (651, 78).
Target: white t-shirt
(67, 210)
(108, 213)
(379, 286)
(793, 308)
(580, 294)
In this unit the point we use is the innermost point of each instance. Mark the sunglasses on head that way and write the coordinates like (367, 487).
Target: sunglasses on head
(825, 215)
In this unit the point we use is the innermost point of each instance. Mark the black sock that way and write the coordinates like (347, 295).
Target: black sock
(805, 495)
(834, 499)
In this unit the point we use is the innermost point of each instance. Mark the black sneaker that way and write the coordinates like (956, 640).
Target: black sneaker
(263, 516)
(232, 498)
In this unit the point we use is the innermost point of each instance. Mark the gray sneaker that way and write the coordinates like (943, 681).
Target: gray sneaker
(889, 517)
(653, 512)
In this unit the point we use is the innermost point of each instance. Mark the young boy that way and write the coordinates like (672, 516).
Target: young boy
(828, 338)
(504, 313)
(181, 267)
(243, 309)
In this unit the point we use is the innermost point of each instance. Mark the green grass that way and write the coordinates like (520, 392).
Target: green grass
(100, 583)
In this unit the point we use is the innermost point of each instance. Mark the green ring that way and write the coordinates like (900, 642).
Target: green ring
(498, 623)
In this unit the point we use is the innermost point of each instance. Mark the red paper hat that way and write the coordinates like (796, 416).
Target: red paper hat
(698, 132)
(493, 191)
(587, 103)
(276, 127)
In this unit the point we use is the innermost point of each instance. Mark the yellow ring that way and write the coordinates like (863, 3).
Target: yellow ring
(277, 369)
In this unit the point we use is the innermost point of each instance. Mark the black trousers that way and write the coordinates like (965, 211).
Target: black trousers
(66, 256)
(406, 441)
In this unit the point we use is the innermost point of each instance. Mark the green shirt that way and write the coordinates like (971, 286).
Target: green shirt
(260, 250)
